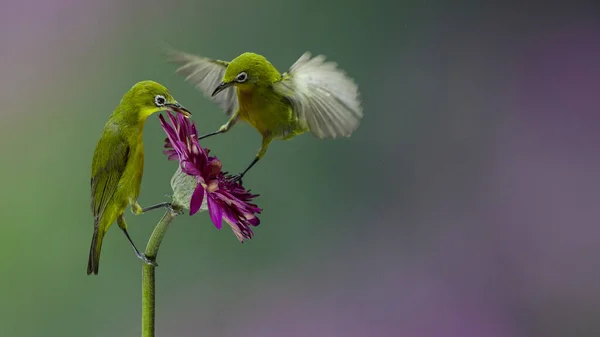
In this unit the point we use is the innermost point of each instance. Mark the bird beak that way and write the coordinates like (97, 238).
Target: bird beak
(178, 108)
(221, 87)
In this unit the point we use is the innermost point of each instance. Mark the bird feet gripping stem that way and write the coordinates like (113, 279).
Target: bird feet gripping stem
(146, 259)
(236, 178)
(174, 210)
(141, 256)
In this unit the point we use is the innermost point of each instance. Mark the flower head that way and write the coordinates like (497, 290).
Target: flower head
(225, 199)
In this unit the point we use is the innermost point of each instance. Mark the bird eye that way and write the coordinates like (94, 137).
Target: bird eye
(241, 77)
(159, 100)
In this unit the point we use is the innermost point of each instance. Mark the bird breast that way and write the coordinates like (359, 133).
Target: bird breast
(265, 111)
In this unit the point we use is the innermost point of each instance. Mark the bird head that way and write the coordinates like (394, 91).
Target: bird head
(247, 71)
(149, 97)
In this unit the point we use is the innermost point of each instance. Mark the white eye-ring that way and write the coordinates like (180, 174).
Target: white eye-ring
(241, 77)
(159, 100)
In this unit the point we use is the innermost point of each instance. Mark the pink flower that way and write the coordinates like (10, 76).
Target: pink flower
(226, 199)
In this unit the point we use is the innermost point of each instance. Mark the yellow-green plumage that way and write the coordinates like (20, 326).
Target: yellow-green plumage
(313, 95)
(267, 113)
(259, 105)
(118, 162)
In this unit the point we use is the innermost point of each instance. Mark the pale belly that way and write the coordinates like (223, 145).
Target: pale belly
(268, 115)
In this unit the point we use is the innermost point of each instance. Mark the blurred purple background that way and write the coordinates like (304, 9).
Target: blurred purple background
(465, 205)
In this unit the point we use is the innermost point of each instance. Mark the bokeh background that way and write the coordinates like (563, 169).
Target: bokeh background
(466, 204)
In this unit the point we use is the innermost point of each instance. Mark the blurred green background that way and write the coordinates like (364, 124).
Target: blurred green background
(464, 205)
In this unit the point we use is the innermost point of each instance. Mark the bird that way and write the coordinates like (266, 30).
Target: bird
(313, 95)
(118, 163)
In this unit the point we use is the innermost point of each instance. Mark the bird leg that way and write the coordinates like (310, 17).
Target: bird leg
(238, 177)
(224, 128)
(137, 209)
(123, 226)
(263, 149)
(210, 134)
(166, 205)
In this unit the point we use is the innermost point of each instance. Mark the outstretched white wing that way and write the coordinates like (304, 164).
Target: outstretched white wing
(323, 97)
(205, 74)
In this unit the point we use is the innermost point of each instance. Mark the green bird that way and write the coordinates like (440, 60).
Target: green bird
(118, 163)
(313, 95)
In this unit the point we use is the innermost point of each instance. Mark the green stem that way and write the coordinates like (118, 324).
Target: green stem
(148, 291)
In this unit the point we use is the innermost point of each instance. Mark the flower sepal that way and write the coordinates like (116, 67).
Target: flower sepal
(200, 184)
(183, 186)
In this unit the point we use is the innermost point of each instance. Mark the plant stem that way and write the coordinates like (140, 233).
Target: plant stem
(148, 291)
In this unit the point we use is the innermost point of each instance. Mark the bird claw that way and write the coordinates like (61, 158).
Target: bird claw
(170, 208)
(173, 210)
(147, 260)
(236, 178)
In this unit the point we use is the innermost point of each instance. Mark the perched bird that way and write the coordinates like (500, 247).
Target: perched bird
(313, 95)
(118, 162)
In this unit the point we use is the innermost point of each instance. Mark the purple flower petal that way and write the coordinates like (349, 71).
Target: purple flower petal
(194, 132)
(226, 200)
(216, 213)
(189, 168)
(171, 134)
(196, 200)
(254, 221)
(173, 121)
(230, 216)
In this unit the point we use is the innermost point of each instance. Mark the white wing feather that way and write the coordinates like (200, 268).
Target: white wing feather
(323, 97)
(205, 74)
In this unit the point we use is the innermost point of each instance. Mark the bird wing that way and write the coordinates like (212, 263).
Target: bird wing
(110, 160)
(323, 97)
(205, 74)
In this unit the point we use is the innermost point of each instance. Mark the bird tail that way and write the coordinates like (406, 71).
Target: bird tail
(94, 258)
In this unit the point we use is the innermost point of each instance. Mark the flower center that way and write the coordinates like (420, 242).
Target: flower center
(212, 186)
